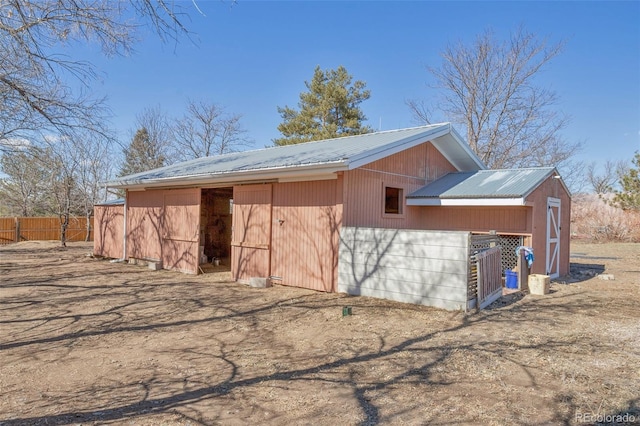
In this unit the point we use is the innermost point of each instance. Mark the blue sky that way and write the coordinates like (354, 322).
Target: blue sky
(254, 56)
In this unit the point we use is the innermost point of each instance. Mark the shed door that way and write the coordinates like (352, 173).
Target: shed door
(251, 232)
(181, 230)
(553, 237)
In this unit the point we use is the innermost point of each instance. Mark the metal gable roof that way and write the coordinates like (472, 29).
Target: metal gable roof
(506, 183)
(337, 154)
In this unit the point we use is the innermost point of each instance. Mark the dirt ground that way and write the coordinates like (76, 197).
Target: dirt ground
(86, 341)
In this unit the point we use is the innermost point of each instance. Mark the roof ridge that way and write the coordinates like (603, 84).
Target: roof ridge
(426, 126)
(519, 169)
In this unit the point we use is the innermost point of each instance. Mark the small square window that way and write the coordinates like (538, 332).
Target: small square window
(392, 200)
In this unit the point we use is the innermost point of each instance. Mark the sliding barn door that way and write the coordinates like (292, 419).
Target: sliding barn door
(251, 232)
(181, 230)
(305, 234)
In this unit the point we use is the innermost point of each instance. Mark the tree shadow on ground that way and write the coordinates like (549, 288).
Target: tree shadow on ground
(228, 333)
(342, 371)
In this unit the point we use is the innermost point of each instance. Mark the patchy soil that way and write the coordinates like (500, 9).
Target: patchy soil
(86, 341)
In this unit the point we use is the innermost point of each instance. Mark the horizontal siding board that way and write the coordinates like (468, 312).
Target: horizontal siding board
(441, 285)
(370, 249)
(407, 267)
(424, 267)
(407, 298)
(414, 236)
(503, 219)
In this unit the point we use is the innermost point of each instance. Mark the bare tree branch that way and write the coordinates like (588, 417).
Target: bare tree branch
(207, 129)
(490, 89)
(35, 94)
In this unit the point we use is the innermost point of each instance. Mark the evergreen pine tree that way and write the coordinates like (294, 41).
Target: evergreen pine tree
(142, 154)
(628, 198)
(329, 109)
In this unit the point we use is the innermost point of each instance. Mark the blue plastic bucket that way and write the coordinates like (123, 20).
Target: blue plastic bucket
(510, 279)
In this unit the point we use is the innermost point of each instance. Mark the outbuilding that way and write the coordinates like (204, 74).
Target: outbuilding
(294, 214)
(526, 207)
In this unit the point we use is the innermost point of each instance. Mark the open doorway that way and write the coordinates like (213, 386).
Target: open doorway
(215, 229)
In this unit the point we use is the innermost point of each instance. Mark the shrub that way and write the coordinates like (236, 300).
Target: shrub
(593, 218)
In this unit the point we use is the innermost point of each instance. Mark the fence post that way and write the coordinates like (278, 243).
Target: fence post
(17, 237)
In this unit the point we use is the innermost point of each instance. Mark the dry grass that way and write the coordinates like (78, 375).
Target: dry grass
(91, 342)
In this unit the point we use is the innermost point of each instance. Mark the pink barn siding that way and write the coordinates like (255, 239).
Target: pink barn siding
(108, 234)
(163, 225)
(251, 232)
(538, 199)
(144, 225)
(305, 231)
(423, 161)
(181, 229)
(504, 220)
(410, 170)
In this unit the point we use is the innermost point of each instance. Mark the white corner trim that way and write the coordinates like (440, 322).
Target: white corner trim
(465, 202)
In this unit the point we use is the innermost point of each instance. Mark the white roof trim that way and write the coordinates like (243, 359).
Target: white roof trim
(452, 140)
(399, 146)
(466, 201)
(444, 138)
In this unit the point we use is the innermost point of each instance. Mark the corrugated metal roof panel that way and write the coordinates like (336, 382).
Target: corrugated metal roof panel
(505, 183)
(338, 151)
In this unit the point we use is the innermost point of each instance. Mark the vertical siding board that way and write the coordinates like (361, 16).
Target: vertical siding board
(7, 230)
(181, 229)
(305, 217)
(144, 224)
(538, 199)
(410, 170)
(251, 231)
(108, 231)
(337, 224)
(477, 219)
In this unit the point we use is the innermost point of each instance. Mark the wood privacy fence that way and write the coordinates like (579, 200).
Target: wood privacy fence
(15, 229)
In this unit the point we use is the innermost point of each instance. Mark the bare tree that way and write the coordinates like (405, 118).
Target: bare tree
(158, 127)
(23, 190)
(64, 160)
(95, 168)
(490, 88)
(150, 145)
(605, 181)
(36, 98)
(38, 76)
(573, 175)
(207, 129)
